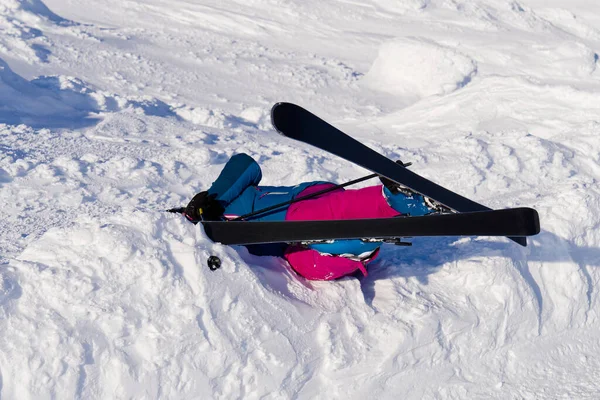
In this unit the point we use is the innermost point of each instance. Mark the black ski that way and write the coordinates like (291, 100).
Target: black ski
(297, 123)
(508, 222)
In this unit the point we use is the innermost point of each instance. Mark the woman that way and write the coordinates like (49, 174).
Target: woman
(236, 192)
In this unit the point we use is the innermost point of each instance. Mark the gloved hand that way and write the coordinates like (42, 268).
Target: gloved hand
(203, 207)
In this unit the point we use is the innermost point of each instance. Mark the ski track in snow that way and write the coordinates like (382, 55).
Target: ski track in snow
(113, 111)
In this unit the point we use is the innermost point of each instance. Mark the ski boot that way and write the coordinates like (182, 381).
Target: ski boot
(408, 202)
(437, 207)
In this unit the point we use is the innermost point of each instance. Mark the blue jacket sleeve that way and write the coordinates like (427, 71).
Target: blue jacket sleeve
(240, 172)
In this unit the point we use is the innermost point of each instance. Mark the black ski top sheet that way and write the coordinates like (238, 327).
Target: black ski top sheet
(508, 222)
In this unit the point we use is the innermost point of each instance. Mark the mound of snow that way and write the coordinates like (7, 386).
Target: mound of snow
(568, 59)
(417, 68)
(130, 293)
(24, 24)
(31, 11)
(401, 7)
(63, 101)
(23, 102)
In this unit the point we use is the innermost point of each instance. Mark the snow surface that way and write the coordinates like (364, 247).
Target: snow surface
(111, 111)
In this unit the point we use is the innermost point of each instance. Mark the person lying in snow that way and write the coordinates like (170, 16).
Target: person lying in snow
(236, 192)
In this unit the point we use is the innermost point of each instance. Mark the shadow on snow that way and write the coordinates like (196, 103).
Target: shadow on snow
(62, 102)
(428, 255)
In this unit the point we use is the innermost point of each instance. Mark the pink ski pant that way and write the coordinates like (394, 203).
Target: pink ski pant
(368, 202)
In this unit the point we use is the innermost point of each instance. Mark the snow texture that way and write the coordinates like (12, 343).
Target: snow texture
(111, 112)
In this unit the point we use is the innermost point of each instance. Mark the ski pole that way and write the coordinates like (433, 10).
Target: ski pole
(214, 262)
(310, 196)
(180, 210)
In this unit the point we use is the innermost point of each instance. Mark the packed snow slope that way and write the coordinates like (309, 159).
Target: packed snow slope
(112, 111)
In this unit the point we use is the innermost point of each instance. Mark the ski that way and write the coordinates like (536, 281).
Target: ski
(297, 123)
(509, 222)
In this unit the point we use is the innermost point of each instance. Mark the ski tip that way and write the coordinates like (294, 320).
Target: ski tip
(531, 221)
(274, 111)
(281, 107)
(279, 113)
(278, 104)
(536, 221)
(282, 104)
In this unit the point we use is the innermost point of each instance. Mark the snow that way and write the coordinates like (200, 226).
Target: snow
(418, 68)
(111, 112)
